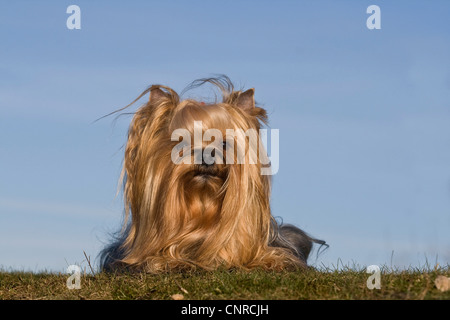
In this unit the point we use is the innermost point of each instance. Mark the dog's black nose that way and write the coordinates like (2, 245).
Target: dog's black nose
(208, 160)
(206, 164)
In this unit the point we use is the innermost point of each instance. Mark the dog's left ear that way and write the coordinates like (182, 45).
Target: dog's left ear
(246, 100)
(156, 94)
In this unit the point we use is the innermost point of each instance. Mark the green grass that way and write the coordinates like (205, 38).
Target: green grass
(312, 284)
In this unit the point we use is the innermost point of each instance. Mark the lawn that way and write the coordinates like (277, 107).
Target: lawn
(346, 283)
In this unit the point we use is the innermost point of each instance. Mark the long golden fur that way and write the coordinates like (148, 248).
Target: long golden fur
(186, 216)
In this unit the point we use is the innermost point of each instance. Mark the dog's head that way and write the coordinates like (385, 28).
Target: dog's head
(201, 147)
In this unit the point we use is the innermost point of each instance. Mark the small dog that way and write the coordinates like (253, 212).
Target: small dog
(207, 213)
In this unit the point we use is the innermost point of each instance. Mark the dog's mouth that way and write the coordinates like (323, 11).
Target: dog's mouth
(206, 171)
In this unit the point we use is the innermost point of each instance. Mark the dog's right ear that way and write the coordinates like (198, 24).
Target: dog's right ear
(246, 100)
(156, 94)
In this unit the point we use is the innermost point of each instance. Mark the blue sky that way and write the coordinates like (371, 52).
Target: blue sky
(363, 117)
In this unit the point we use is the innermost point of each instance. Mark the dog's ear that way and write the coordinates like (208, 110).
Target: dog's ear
(246, 100)
(156, 94)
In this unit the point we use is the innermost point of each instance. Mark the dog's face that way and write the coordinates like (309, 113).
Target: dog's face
(200, 157)
(211, 142)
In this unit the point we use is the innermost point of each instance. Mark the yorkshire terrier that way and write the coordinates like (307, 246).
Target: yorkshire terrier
(189, 207)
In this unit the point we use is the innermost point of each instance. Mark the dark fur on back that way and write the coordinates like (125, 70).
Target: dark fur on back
(296, 240)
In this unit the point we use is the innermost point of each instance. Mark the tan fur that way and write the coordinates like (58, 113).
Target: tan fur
(179, 220)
